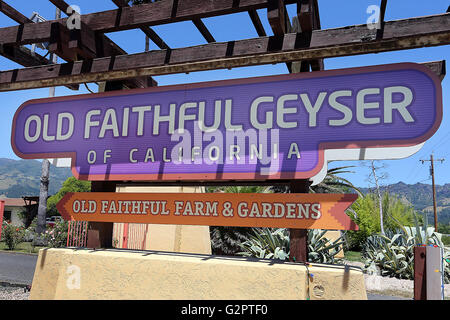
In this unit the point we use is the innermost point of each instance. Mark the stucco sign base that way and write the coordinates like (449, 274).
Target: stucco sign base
(86, 274)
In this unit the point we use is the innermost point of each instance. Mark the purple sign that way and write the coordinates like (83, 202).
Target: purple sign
(258, 128)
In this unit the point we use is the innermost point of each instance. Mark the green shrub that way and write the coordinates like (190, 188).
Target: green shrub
(446, 240)
(12, 235)
(70, 185)
(275, 244)
(395, 214)
(56, 237)
(367, 220)
(267, 243)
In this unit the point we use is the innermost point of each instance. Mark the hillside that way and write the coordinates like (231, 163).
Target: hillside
(420, 196)
(22, 178)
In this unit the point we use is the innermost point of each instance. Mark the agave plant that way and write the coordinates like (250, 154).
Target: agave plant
(393, 254)
(321, 249)
(275, 244)
(266, 243)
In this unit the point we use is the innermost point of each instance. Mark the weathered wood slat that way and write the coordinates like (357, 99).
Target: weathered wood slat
(257, 23)
(380, 28)
(279, 21)
(87, 44)
(149, 32)
(155, 13)
(398, 35)
(13, 13)
(20, 54)
(276, 14)
(309, 20)
(61, 5)
(203, 30)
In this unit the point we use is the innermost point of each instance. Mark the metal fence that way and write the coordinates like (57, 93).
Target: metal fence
(77, 234)
(130, 236)
(125, 235)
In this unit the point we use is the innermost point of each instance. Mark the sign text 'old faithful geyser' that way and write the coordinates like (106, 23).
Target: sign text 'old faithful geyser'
(258, 128)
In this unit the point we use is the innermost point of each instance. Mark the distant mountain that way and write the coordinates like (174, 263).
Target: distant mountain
(420, 196)
(22, 178)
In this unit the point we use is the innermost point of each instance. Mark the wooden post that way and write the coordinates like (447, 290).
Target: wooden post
(100, 234)
(420, 279)
(299, 237)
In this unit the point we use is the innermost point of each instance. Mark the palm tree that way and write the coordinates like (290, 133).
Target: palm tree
(333, 183)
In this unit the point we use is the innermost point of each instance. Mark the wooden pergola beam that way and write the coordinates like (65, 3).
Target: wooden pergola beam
(149, 32)
(309, 20)
(203, 30)
(13, 13)
(155, 13)
(61, 5)
(257, 23)
(276, 14)
(398, 35)
(381, 19)
(21, 54)
(279, 21)
(87, 44)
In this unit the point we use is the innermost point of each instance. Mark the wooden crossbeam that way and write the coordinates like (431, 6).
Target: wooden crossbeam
(86, 44)
(13, 13)
(203, 30)
(149, 32)
(380, 28)
(398, 35)
(309, 20)
(308, 15)
(108, 47)
(20, 54)
(155, 13)
(279, 21)
(157, 40)
(61, 5)
(276, 14)
(257, 23)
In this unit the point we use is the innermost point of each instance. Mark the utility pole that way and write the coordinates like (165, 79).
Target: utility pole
(432, 160)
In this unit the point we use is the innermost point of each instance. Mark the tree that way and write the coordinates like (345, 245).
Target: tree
(374, 178)
(396, 214)
(70, 185)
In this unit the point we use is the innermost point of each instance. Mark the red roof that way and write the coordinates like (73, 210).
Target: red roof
(14, 202)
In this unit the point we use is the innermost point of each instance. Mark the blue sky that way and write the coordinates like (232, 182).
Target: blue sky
(238, 26)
